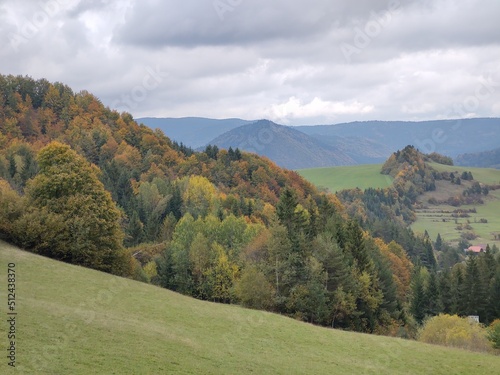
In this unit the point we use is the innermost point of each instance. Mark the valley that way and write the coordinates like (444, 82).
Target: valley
(433, 218)
(452, 222)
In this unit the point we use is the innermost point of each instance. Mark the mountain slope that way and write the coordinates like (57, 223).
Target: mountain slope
(79, 321)
(448, 137)
(286, 146)
(485, 159)
(192, 131)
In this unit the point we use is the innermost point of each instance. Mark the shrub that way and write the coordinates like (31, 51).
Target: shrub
(494, 333)
(469, 236)
(456, 332)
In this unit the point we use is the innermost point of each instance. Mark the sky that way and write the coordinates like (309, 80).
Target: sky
(295, 62)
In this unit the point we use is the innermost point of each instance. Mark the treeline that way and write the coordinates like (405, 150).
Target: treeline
(467, 288)
(485, 159)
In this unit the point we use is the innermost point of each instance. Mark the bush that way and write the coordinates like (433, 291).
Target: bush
(455, 332)
(469, 236)
(494, 333)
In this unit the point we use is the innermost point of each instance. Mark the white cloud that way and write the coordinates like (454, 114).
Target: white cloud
(294, 108)
(279, 59)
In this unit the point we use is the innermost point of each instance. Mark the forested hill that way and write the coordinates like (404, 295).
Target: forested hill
(82, 183)
(217, 225)
(284, 145)
(485, 159)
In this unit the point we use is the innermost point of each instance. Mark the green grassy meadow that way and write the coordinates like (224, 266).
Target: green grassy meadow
(347, 177)
(437, 218)
(431, 218)
(72, 320)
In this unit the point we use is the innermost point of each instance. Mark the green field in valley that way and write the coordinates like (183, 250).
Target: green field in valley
(438, 218)
(433, 218)
(347, 177)
(72, 320)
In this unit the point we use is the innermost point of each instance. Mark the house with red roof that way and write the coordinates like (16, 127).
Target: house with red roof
(476, 249)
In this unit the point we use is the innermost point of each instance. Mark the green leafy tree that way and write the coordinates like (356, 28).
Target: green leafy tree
(11, 209)
(67, 190)
(199, 254)
(253, 289)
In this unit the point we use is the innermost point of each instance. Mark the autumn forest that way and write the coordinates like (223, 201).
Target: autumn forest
(84, 184)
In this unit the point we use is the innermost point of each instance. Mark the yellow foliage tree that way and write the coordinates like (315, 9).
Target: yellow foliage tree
(454, 331)
(199, 196)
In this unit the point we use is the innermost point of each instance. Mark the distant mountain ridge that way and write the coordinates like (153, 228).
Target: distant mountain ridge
(448, 137)
(286, 146)
(365, 142)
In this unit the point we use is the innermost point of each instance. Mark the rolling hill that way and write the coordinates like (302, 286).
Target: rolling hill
(73, 320)
(286, 146)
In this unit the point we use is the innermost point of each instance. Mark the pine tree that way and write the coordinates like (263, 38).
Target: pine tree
(134, 231)
(285, 209)
(433, 297)
(355, 245)
(439, 243)
(174, 205)
(446, 292)
(419, 298)
(474, 289)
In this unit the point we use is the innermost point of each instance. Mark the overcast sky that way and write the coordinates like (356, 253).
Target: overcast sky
(295, 62)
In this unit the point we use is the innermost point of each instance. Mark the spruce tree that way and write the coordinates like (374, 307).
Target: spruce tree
(474, 288)
(439, 243)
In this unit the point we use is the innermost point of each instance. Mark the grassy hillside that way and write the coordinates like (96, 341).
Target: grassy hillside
(348, 177)
(438, 218)
(78, 321)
